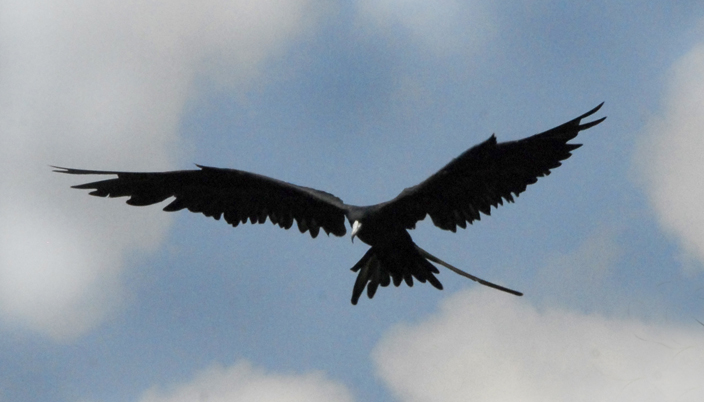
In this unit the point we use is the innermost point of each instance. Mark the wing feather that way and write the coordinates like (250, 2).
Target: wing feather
(485, 176)
(236, 195)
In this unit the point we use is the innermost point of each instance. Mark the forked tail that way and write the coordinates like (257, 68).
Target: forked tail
(380, 266)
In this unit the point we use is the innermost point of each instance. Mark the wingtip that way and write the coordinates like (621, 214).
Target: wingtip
(65, 170)
(59, 169)
(591, 124)
(591, 112)
(585, 115)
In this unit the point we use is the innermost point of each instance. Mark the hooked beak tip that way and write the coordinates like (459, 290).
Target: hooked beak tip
(355, 228)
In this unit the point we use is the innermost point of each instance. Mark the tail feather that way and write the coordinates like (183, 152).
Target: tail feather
(381, 266)
(466, 275)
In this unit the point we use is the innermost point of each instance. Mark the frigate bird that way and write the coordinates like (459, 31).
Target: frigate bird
(482, 177)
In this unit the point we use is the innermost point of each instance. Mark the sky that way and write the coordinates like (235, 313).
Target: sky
(101, 301)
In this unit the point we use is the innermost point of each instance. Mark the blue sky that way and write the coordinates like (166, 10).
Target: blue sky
(100, 301)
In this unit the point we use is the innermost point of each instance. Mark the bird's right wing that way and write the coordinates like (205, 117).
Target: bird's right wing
(233, 194)
(484, 176)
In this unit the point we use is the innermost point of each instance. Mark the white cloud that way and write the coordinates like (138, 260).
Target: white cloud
(670, 155)
(242, 382)
(440, 26)
(485, 346)
(583, 277)
(47, 281)
(103, 85)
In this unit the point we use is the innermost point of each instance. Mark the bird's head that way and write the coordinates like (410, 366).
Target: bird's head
(356, 226)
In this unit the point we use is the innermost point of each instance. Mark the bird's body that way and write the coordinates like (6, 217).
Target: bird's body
(482, 177)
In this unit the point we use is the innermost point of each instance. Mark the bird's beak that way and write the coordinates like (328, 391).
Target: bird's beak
(355, 228)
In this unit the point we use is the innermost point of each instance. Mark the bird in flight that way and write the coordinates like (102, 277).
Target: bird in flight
(480, 178)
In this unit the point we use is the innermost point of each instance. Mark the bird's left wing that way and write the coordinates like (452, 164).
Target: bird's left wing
(484, 176)
(233, 194)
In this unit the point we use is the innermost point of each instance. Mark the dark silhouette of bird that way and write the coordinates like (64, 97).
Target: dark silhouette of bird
(480, 178)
